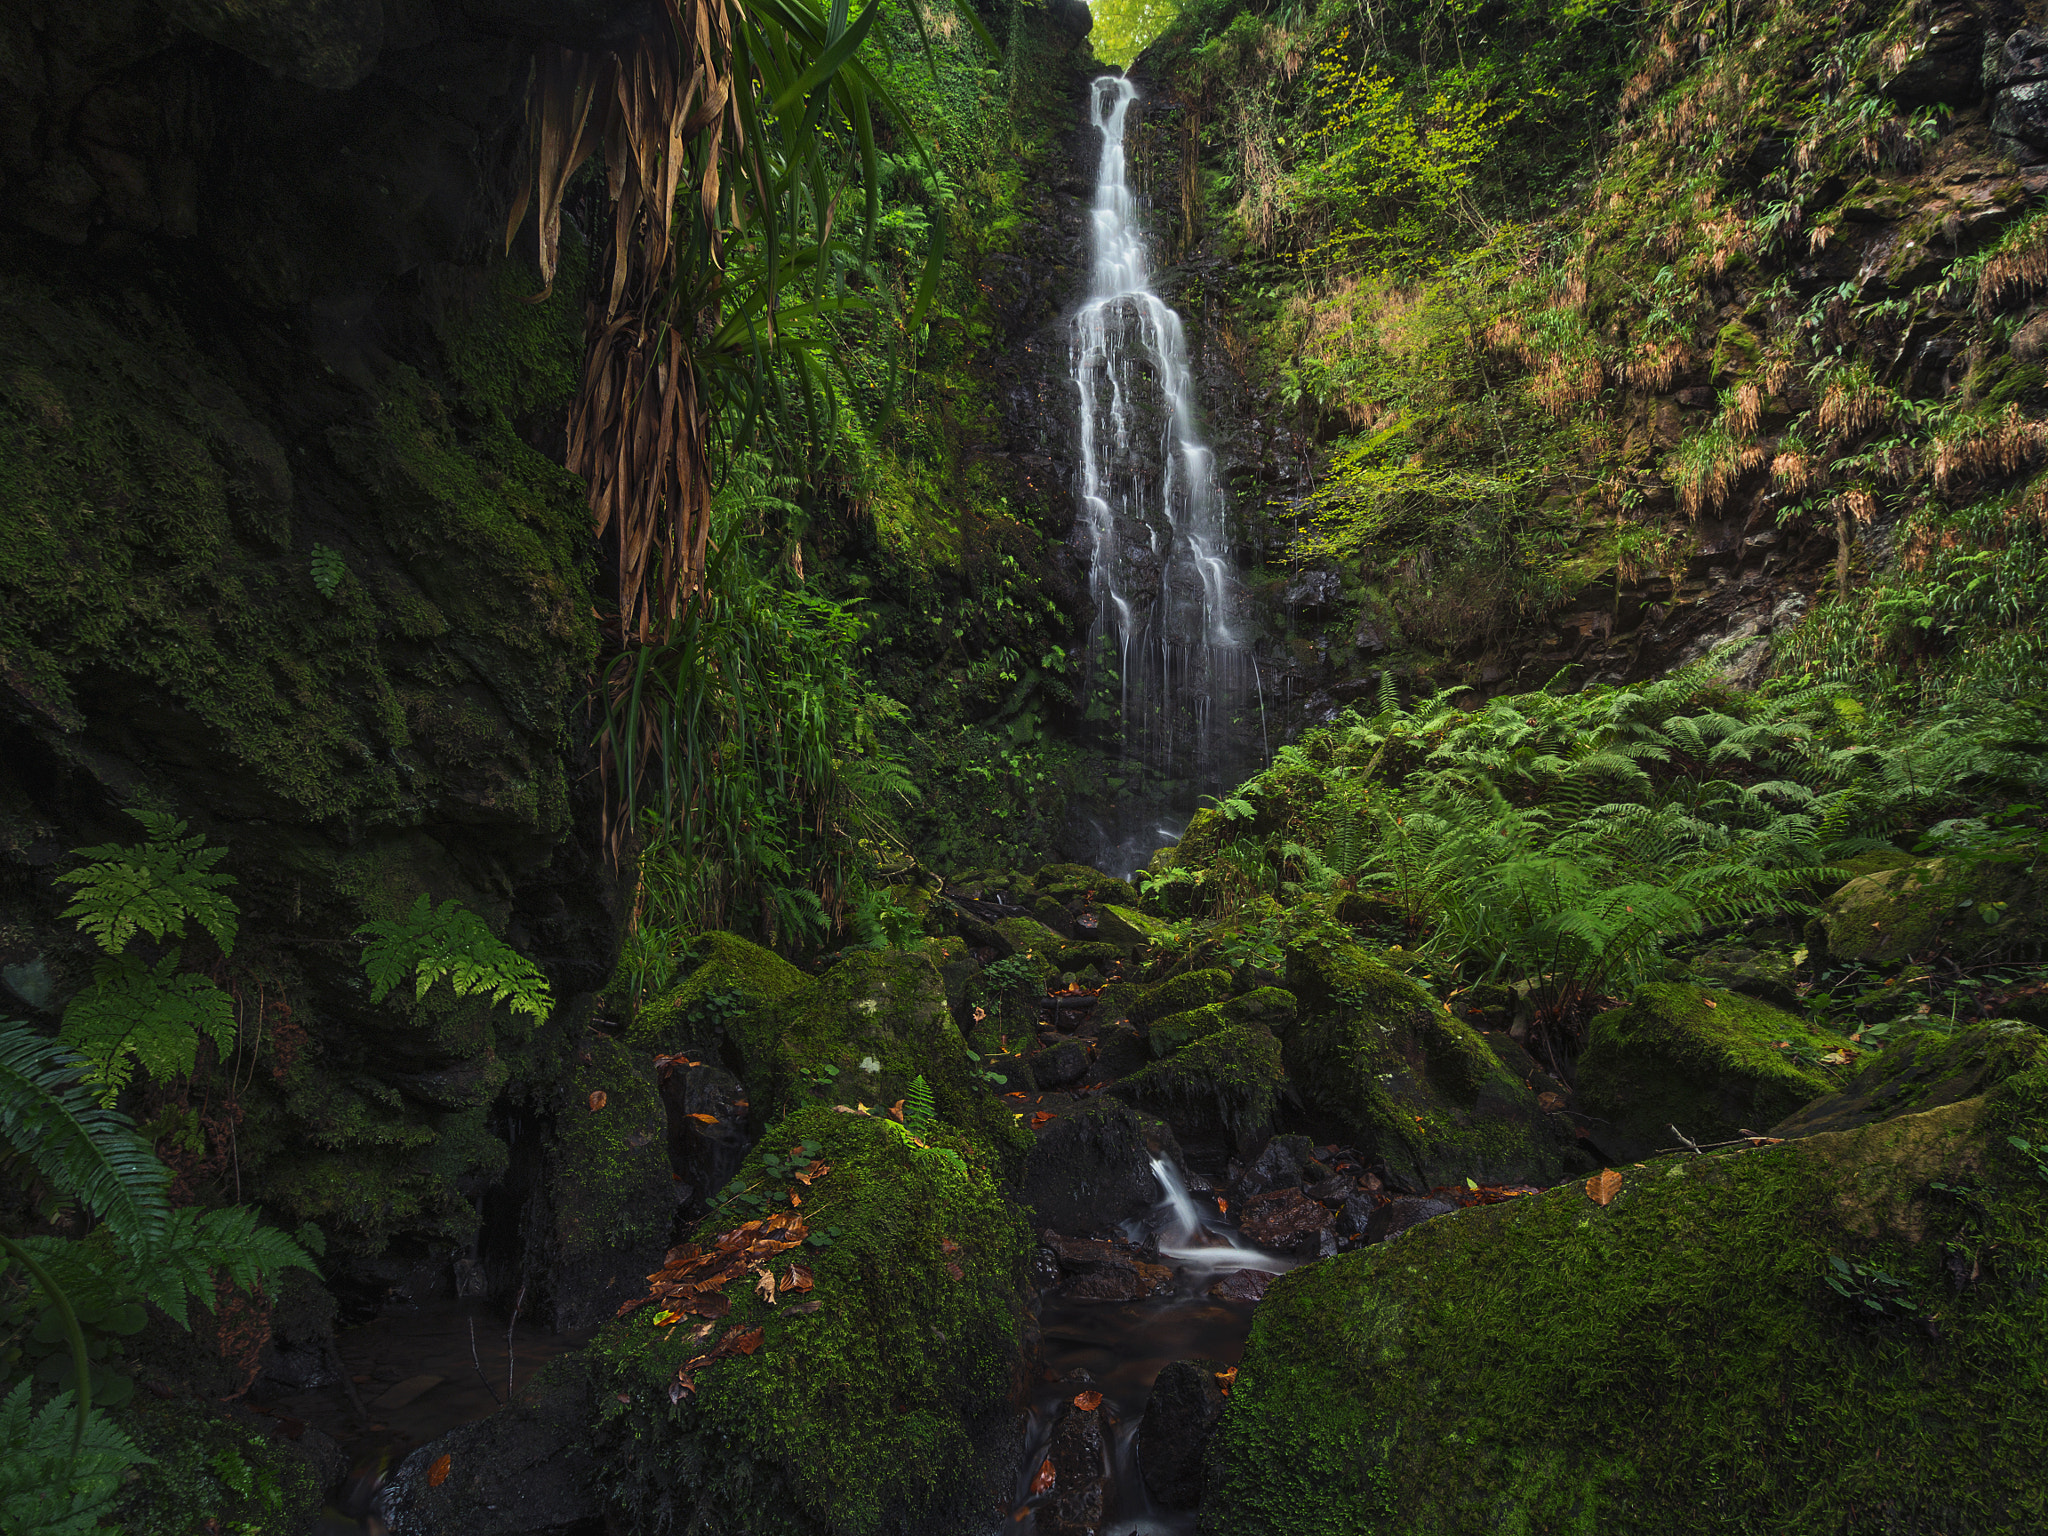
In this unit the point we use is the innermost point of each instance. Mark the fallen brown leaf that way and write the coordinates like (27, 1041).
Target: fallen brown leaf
(1042, 1118)
(764, 1286)
(1088, 1402)
(703, 1119)
(1043, 1478)
(896, 1111)
(437, 1474)
(955, 1271)
(597, 1100)
(798, 1279)
(1603, 1186)
(1223, 1205)
(805, 1306)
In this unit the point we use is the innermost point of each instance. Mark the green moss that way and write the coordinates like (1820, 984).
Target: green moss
(608, 1171)
(1178, 994)
(1223, 1082)
(1169, 1034)
(1028, 936)
(1672, 1362)
(213, 1475)
(880, 1018)
(742, 977)
(1075, 883)
(1706, 1062)
(1922, 1069)
(883, 1410)
(1936, 905)
(1413, 1083)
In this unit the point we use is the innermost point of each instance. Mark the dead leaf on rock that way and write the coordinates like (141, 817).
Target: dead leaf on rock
(955, 1270)
(1042, 1118)
(896, 1111)
(747, 1340)
(947, 1245)
(1225, 1380)
(597, 1100)
(1088, 1402)
(437, 1474)
(1043, 1478)
(703, 1119)
(805, 1306)
(1604, 1186)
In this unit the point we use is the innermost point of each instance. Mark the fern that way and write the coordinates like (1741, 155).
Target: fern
(920, 1115)
(79, 1147)
(151, 887)
(134, 1013)
(48, 1484)
(328, 569)
(429, 944)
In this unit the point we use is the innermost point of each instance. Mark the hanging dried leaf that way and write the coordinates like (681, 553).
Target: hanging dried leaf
(1088, 1402)
(1604, 1186)
(437, 1474)
(597, 1100)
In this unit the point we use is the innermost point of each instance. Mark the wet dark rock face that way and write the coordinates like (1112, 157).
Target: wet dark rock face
(1092, 1169)
(1186, 1402)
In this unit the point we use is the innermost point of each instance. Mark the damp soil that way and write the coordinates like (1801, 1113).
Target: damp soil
(415, 1378)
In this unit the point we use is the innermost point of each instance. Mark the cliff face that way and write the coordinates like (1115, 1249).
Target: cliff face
(289, 550)
(1748, 352)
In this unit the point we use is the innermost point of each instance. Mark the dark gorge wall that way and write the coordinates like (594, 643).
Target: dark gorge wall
(255, 318)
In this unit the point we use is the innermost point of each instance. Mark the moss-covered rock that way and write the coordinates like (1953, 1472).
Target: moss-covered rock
(885, 1409)
(877, 1020)
(220, 1470)
(1076, 885)
(1027, 936)
(1167, 1035)
(1178, 994)
(1673, 1361)
(1415, 1085)
(1952, 906)
(1765, 974)
(609, 1207)
(1921, 1070)
(732, 977)
(1092, 1168)
(1711, 1063)
(1126, 925)
(1224, 1083)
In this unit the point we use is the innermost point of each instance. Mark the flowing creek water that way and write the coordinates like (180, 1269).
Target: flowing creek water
(1119, 1348)
(1167, 634)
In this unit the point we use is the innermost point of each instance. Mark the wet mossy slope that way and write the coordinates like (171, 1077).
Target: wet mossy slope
(1675, 1360)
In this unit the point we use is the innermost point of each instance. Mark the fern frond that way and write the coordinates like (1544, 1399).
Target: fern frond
(82, 1149)
(135, 1013)
(920, 1114)
(151, 887)
(452, 943)
(44, 1488)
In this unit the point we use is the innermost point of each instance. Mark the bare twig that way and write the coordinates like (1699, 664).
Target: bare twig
(517, 1302)
(1690, 1145)
(480, 1376)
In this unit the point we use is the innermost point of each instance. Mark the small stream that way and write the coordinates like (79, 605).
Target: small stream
(1119, 1348)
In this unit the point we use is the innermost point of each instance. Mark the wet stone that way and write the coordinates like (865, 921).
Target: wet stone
(1080, 1491)
(1186, 1401)
(1285, 1220)
(1354, 1216)
(1242, 1285)
(1058, 1066)
(1397, 1216)
(1279, 1164)
(1338, 1187)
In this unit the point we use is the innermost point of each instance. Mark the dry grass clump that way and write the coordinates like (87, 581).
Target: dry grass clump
(1855, 405)
(1705, 470)
(2018, 269)
(1796, 471)
(1564, 383)
(1989, 450)
(1742, 410)
(1655, 365)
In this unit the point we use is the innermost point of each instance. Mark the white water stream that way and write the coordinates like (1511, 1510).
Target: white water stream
(1195, 1240)
(1166, 593)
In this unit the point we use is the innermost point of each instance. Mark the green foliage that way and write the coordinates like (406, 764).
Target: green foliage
(1123, 27)
(49, 1485)
(451, 942)
(152, 887)
(746, 743)
(329, 569)
(134, 1013)
(920, 1115)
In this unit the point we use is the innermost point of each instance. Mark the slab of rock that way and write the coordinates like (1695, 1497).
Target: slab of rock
(1285, 1220)
(1092, 1169)
(1186, 1401)
(1278, 1165)
(1353, 1216)
(1925, 1070)
(1242, 1285)
(1059, 1065)
(1080, 1490)
(1397, 1216)
(1098, 1269)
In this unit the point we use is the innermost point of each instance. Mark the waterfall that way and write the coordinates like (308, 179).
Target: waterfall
(1193, 1239)
(1166, 625)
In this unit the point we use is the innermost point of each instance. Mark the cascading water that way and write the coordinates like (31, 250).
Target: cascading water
(1165, 646)
(1193, 1239)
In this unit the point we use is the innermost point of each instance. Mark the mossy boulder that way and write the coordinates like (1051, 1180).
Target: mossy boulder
(885, 1409)
(1965, 908)
(1126, 926)
(1713, 1064)
(220, 1469)
(879, 1020)
(1223, 1084)
(1169, 1034)
(1141, 1005)
(1675, 1360)
(1092, 1168)
(1923, 1069)
(1415, 1085)
(1027, 936)
(732, 977)
(1077, 885)
(1768, 975)
(609, 1201)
